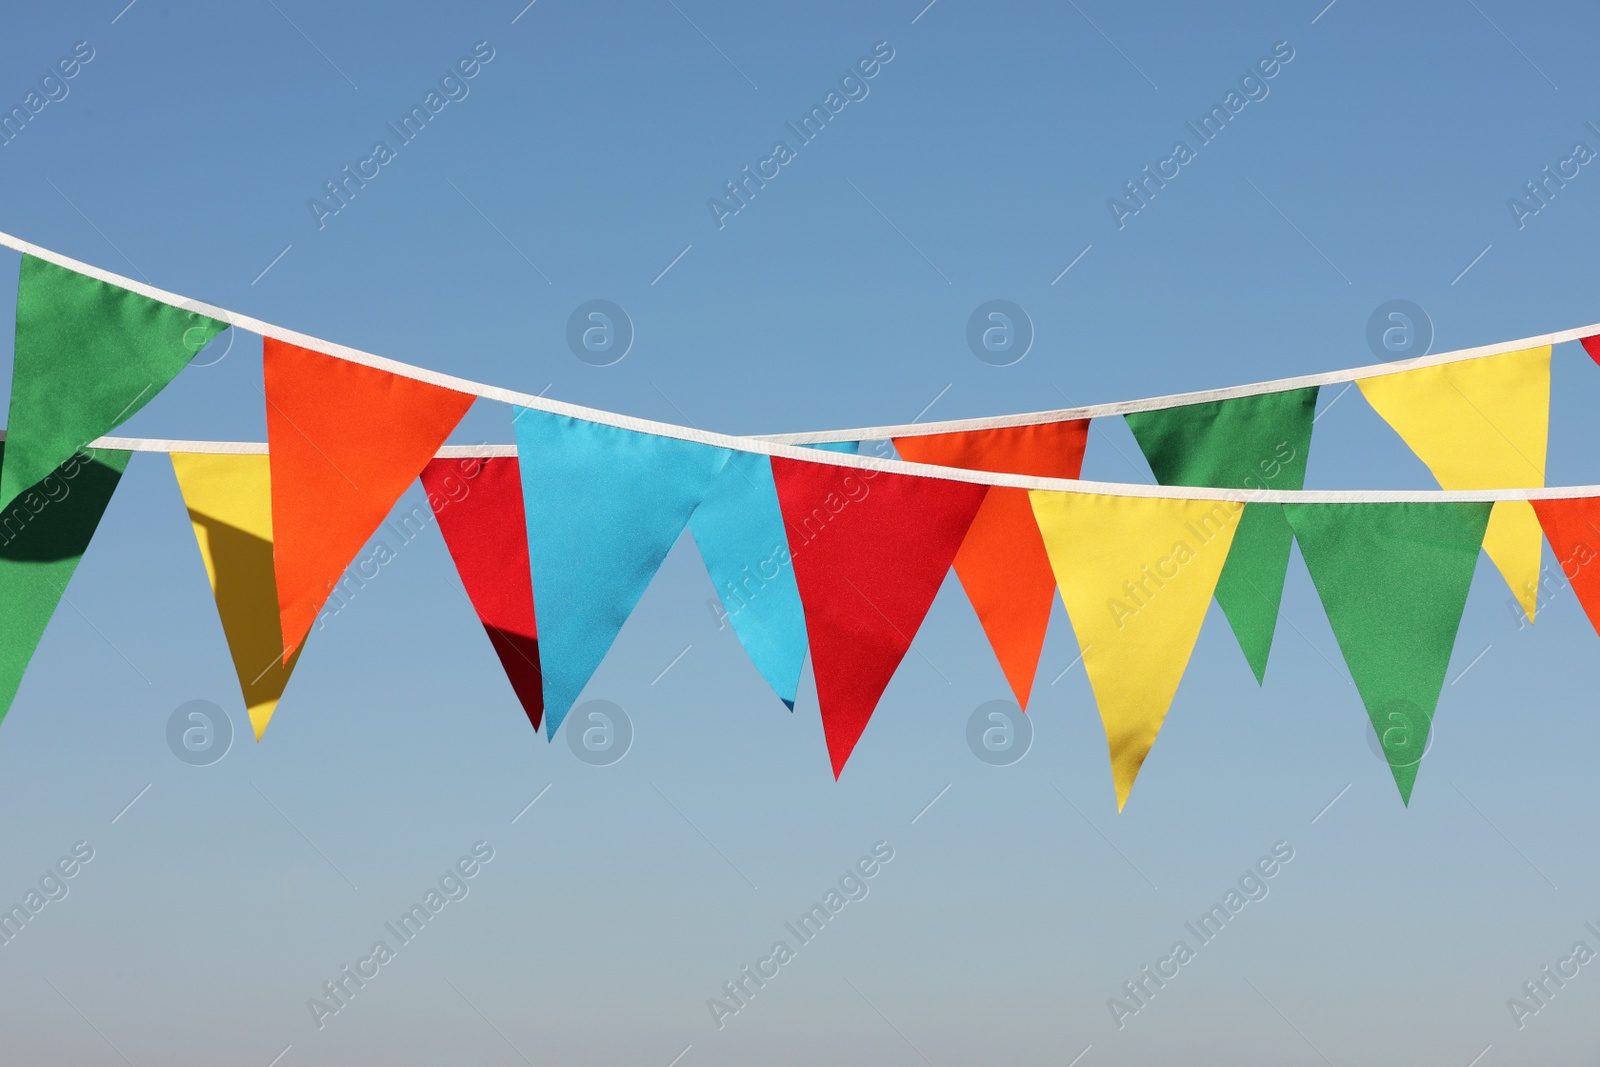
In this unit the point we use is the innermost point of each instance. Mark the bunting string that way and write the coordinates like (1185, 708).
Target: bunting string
(792, 445)
(759, 446)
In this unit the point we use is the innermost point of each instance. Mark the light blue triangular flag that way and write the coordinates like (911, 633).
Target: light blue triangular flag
(604, 506)
(740, 533)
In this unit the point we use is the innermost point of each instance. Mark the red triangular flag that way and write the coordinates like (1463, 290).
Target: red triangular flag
(1591, 345)
(345, 442)
(1573, 530)
(1002, 563)
(479, 506)
(870, 551)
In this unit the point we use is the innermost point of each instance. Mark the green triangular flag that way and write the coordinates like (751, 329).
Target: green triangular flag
(1252, 442)
(1393, 579)
(43, 535)
(88, 355)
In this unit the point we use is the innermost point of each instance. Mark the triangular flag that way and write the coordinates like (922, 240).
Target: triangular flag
(738, 528)
(1573, 527)
(346, 440)
(229, 498)
(1250, 442)
(43, 535)
(849, 448)
(1591, 345)
(1481, 424)
(870, 551)
(88, 355)
(1393, 579)
(604, 507)
(478, 503)
(1002, 563)
(1136, 575)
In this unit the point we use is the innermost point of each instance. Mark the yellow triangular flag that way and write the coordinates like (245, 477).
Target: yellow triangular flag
(1136, 575)
(229, 498)
(1481, 424)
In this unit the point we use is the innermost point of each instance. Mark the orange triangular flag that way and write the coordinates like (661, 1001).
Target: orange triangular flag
(345, 440)
(1002, 563)
(1573, 529)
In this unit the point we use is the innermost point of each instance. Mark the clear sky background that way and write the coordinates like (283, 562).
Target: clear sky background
(1378, 166)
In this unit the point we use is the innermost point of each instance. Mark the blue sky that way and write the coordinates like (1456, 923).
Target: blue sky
(977, 163)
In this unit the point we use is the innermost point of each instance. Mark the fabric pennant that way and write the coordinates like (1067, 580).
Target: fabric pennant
(1250, 442)
(1002, 564)
(870, 551)
(1481, 424)
(1573, 527)
(43, 535)
(1393, 579)
(739, 530)
(345, 441)
(478, 503)
(1136, 575)
(1591, 345)
(88, 356)
(604, 507)
(229, 498)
